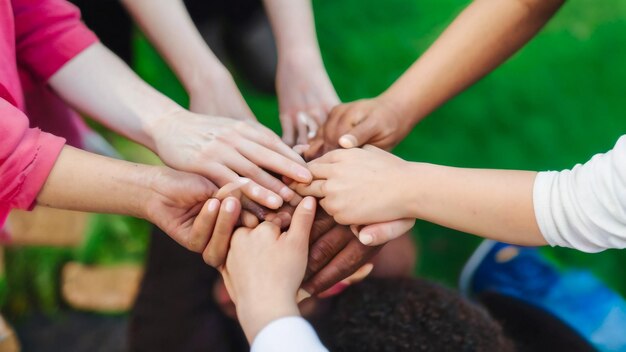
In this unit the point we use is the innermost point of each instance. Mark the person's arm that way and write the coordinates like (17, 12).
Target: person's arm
(582, 208)
(481, 38)
(26, 157)
(496, 204)
(305, 92)
(99, 84)
(179, 203)
(210, 86)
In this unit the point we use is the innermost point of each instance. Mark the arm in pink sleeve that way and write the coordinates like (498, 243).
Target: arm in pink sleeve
(26, 157)
(48, 34)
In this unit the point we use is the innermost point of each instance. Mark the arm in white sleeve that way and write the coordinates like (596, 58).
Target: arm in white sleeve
(287, 335)
(585, 208)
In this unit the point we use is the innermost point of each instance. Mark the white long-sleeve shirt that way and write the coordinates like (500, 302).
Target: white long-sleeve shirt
(289, 334)
(585, 208)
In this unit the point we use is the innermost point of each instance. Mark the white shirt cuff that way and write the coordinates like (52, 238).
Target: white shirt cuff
(287, 335)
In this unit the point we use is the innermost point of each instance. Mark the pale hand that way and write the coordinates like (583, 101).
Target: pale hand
(305, 97)
(223, 149)
(359, 186)
(264, 268)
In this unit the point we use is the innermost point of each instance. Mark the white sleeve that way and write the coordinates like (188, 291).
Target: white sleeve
(288, 334)
(585, 208)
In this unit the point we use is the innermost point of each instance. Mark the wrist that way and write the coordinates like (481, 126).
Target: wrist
(143, 181)
(402, 107)
(302, 55)
(420, 176)
(255, 313)
(160, 127)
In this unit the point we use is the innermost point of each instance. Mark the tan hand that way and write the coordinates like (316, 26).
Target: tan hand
(367, 121)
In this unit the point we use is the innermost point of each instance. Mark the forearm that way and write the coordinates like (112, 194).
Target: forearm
(99, 84)
(496, 204)
(88, 182)
(294, 28)
(481, 38)
(172, 31)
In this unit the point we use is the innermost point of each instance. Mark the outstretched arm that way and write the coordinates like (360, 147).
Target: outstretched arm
(305, 93)
(210, 86)
(221, 149)
(481, 38)
(581, 208)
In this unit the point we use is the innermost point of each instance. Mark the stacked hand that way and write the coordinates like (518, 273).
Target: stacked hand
(343, 178)
(223, 149)
(368, 121)
(305, 97)
(265, 267)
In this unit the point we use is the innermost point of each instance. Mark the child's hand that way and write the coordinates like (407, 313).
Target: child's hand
(368, 121)
(264, 269)
(359, 186)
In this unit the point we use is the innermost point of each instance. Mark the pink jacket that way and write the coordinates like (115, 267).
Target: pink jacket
(37, 37)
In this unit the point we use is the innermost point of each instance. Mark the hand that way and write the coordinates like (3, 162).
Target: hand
(218, 95)
(336, 254)
(264, 269)
(181, 204)
(221, 149)
(305, 96)
(368, 121)
(359, 186)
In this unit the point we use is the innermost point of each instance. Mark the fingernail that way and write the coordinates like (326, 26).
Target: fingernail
(275, 200)
(348, 141)
(305, 175)
(213, 205)
(302, 295)
(230, 205)
(308, 203)
(286, 193)
(243, 180)
(366, 239)
(256, 190)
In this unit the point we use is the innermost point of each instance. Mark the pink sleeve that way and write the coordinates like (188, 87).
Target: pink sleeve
(48, 34)
(27, 156)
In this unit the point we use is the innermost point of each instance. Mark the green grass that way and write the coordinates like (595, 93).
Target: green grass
(554, 104)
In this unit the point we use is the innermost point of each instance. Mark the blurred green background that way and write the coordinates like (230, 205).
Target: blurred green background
(556, 103)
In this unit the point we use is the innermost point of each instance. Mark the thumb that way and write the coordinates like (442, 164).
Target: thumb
(377, 234)
(301, 222)
(360, 134)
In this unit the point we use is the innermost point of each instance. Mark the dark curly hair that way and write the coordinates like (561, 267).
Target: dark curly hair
(407, 314)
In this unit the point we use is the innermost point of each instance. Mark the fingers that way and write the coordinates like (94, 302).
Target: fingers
(248, 219)
(289, 133)
(215, 252)
(266, 189)
(276, 144)
(302, 221)
(302, 123)
(377, 234)
(315, 189)
(325, 248)
(357, 277)
(202, 228)
(344, 264)
(320, 170)
(361, 134)
(273, 161)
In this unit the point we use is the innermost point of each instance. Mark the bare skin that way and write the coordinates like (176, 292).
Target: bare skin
(496, 204)
(481, 38)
